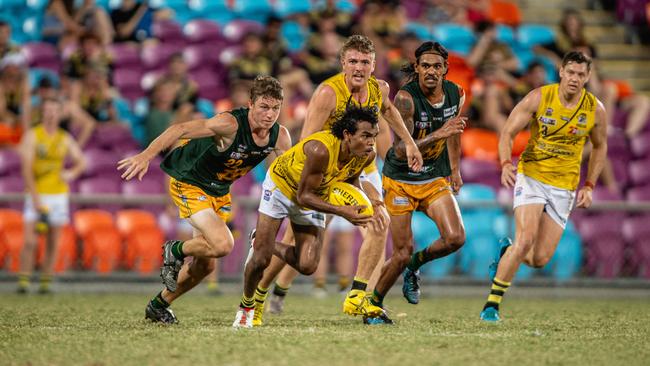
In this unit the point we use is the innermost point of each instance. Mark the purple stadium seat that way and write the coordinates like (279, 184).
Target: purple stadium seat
(229, 54)
(209, 84)
(603, 194)
(127, 81)
(9, 162)
(594, 227)
(199, 56)
(243, 185)
(168, 30)
(100, 185)
(125, 55)
(480, 171)
(620, 171)
(12, 184)
(638, 194)
(605, 256)
(100, 163)
(639, 172)
(149, 185)
(618, 146)
(237, 29)
(636, 229)
(640, 146)
(155, 56)
(39, 54)
(620, 118)
(106, 136)
(150, 78)
(202, 31)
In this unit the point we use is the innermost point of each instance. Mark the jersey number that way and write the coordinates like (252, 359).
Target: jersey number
(234, 170)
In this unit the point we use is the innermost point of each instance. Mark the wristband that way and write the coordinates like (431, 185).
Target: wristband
(589, 184)
(506, 162)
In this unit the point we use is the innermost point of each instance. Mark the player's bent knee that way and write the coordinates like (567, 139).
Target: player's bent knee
(541, 260)
(455, 241)
(307, 268)
(220, 247)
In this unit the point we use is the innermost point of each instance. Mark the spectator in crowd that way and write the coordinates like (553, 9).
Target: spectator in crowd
(6, 46)
(70, 17)
(571, 35)
(400, 56)
(323, 62)
(252, 62)
(161, 112)
(186, 90)
(534, 77)
(489, 53)
(343, 22)
(96, 96)
(445, 11)
(239, 96)
(133, 20)
(90, 51)
(15, 100)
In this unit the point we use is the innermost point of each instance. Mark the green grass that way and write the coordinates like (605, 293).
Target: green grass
(110, 330)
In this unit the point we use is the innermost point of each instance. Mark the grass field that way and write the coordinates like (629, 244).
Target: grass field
(98, 329)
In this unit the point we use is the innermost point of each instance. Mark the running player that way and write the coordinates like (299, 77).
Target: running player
(354, 86)
(220, 150)
(43, 150)
(430, 106)
(561, 117)
(296, 186)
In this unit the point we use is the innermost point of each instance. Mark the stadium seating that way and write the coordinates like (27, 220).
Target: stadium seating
(168, 31)
(504, 12)
(235, 30)
(11, 238)
(102, 243)
(143, 239)
(529, 35)
(640, 145)
(455, 37)
(425, 232)
(12, 184)
(9, 162)
(43, 55)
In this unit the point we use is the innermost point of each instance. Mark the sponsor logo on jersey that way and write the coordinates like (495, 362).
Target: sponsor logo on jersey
(203, 198)
(422, 125)
(547, 121)
(267, 195)
(549, 111)
(582, 120)
(318, 216)
(518, 191)
(448, 112)
(423, 116)
(400, 201)
(565, 119)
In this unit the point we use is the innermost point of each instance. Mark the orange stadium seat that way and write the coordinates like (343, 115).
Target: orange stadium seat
(520, 142)
(504, 12)
(462, 74)
(66, 256)
(102, 243)
(11, 238)
(143, 239)
(480, 144)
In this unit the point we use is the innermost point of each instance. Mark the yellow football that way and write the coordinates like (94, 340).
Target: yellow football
(345, 194)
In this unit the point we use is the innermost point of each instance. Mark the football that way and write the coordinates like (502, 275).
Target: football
(343, 193)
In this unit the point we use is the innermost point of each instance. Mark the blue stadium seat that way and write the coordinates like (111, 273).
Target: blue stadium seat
(505, 34)
(529, 35)
(36, 74)
(173, 4)
(294, 34)
(37, 5)
(285, 8)
(215, 10)
(476, 191)
(476, 256)
(425, 232)
(422, 31)
(567, 261)
(258, 10)
(124, 110)
(206, 107)
(525, 55)
(551, 71)
(455, 37)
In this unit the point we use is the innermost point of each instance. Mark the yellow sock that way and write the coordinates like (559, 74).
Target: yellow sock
(497, 291)
(260, 294)
(23, 280)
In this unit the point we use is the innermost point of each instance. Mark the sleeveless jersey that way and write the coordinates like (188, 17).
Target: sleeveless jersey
(426, 120)
(344, 99)
(48, 161)
(558, 135)
(287, 168)
(201, 164)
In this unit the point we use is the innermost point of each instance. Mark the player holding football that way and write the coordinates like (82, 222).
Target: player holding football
(562, 116)
(354, 86)
(297, 186)
(430, 107)
(220, 150)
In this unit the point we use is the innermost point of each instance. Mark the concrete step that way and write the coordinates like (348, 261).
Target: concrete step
(605, 34)
(622, 51)
(625, 69)
(543, 14)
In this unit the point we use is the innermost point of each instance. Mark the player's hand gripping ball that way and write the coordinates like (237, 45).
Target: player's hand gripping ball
(346, 194)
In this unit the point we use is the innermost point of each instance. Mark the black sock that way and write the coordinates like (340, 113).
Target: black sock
(177, 250)
(158, 302)
(359, 284)
(279, 290)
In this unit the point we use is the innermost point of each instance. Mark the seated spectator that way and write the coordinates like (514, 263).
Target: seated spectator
(343, 22)
(489, 53)
(252, 62)
(133, 20)
(186, 91)
(571, 35)
(15, 101)
(534, 77)
(6, 46)
(90, 51)
(96, 95)
(161, 112)
(239, 97)
(402, 55)
(70, 17)
(323, 62)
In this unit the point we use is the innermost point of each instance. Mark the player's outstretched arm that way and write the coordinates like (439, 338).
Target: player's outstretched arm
(517, 121)
(597, 157)
(320, 107)
(223, 124)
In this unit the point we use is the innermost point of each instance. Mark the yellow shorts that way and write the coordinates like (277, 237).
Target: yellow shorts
(402, 198)
(191, 199)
